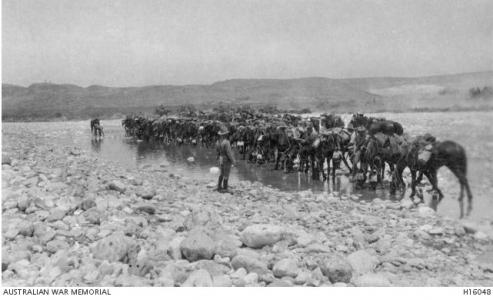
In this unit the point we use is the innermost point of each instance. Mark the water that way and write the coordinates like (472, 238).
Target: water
(470, 129)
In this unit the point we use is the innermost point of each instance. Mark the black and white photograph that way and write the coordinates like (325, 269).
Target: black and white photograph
(246, 143)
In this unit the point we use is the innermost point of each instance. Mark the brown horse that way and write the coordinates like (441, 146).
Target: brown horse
(447, 153)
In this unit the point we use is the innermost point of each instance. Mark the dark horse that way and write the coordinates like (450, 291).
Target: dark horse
(447, 153)
(96, 128)
(94, 122)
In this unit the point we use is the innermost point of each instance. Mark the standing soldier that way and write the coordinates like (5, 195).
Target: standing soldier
(226, 159)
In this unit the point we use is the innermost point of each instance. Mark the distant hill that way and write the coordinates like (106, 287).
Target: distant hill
(46, 100)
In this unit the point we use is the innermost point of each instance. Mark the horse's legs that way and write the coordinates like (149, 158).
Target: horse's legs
(420, 177)
(413, 183)
(432, 177)
(461, 201)
(346, 163)
(276, 158)
(463, 184)
(469, 196)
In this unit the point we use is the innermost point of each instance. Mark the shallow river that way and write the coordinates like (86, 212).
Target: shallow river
(470, 129)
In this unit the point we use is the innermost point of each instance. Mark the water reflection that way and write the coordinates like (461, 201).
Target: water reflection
(139, 152)
(96, 144)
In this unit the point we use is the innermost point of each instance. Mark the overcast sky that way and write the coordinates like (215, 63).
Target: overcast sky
(147, 42)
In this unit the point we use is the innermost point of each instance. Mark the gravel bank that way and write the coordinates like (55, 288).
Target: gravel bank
(71, 219)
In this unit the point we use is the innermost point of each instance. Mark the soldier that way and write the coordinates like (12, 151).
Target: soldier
(226, 159)
(358, 142)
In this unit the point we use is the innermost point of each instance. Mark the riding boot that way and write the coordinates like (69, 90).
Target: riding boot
(219, 184)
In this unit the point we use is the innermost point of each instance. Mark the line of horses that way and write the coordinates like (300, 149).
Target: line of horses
(367, 145)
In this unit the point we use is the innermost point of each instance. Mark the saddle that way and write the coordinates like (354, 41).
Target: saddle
(424, 154)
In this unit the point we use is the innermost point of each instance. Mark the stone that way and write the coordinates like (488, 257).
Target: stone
(362, 262)
(285, 267)
(93, 216)
(26, 228)
(114, 247)
(280, 283)
(6, 160)
(23, 203)
(251, 279)
(43, 233)
(165, 279)
(372, 280)
(459, 230)
(340, 284)
(436, 231)
(304, 239)
(485, 261)
(146, 209)
(198, 278)
(420, 234)
(260, 235)
(226, 245)
(239, 273)
(250, 264)
(10, 228)
(302, 277)
(197, 245)
(425, 211)
(221, 281)
(117, 185)
(146, 193)
(337, 269)
(173, 249)
(470, 227)
(407, 203)
(56, 214)
(481, 236)
(212, 267)
(56, 245)
(316, 277)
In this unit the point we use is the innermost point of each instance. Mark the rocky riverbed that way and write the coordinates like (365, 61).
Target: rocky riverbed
(72, 219)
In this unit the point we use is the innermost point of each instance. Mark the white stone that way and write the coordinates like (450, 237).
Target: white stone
(260, 235)
(362, 262)
(425, 211)
(285, 267)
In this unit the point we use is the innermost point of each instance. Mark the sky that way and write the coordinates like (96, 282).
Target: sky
(150, 42)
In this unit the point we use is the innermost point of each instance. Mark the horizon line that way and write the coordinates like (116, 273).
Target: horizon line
(239, 78)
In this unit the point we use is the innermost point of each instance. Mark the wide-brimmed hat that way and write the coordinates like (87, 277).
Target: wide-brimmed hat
(223, 130)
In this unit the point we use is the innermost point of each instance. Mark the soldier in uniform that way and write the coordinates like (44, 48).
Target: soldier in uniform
(358, 142)
(226, 159)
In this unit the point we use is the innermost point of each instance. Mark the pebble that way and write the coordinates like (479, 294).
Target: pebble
(197, 245)
(425, 211)
(200, 278)
(250, 264)
(117, 186)
(337, 269)
(362, 262)
(285, 267)
(260, 235)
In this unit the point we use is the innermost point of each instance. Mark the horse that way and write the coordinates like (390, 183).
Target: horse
(93, 123)
(98, 130)
(281, 144)
(446, 153)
